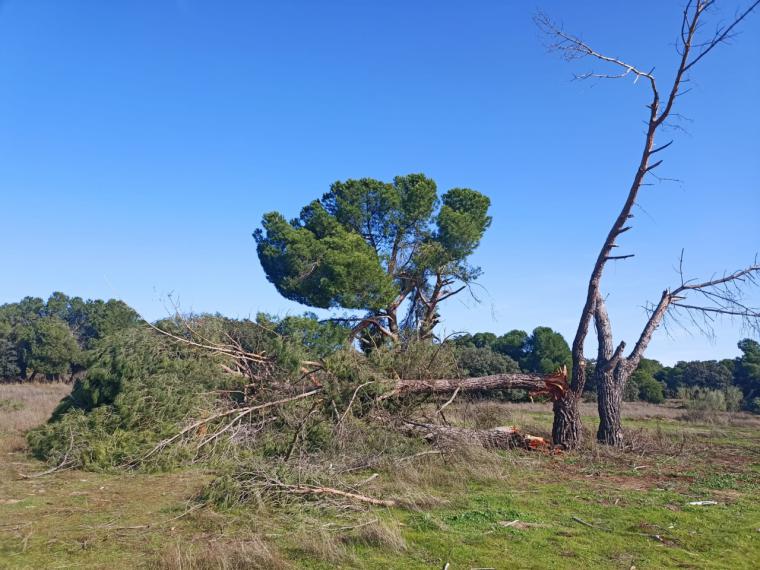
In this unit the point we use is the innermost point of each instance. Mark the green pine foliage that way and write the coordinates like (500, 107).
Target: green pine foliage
(367, 244)
(140, 387)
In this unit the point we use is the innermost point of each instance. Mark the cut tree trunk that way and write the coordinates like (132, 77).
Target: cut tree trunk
(609, 390)
(507, 437)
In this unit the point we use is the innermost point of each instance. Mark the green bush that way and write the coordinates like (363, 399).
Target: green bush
(702, 404)
(650, 390)
(734, 398)
(483, 361)
(703, 399)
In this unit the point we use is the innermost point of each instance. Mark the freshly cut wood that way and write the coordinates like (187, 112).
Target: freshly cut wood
(507, 437)
(553, 385)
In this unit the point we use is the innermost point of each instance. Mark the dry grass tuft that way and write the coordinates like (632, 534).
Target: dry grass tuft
(378, 534)
(251, 554)
(485, 415)
(423, 482)
(656, 442)
(314, 540)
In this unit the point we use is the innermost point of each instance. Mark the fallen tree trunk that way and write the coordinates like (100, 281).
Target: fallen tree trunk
(554, 385)
(507, 437)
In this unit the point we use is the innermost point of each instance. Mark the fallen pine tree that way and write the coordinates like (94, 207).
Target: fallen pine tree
(552, 385)
(156, 399)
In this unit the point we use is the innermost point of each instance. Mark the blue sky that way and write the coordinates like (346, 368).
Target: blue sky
(141, 141)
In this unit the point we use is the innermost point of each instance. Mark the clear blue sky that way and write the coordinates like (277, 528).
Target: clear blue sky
(141, 141)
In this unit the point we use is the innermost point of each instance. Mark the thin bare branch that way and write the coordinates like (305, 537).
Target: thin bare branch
(721, 35)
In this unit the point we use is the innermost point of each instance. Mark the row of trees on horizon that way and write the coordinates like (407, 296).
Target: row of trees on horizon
(51, 341)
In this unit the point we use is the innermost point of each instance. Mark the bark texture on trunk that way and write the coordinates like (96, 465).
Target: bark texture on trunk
(550, 384)
(567, 430)
(609, 402)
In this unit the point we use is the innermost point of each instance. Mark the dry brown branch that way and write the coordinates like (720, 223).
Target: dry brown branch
(448, 403)
(723, 296)
(228, 350)
(320, 490)
(299, 431)
(351, 402)
(507, 437)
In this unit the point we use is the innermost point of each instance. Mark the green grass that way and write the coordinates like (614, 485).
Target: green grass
(597, 508)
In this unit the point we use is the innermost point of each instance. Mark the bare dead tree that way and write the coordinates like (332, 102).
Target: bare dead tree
(613, 367)
(718, 296)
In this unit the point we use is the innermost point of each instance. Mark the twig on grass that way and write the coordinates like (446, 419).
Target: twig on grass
(315, 490)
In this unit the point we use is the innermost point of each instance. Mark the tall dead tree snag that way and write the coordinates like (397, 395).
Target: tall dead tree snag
(723, 295)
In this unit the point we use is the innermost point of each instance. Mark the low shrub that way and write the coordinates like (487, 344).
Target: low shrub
(753, 406)
(734, 398)
(703, 404)
(482, 361)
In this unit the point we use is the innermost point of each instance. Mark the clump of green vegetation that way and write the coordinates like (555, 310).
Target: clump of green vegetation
(144, 386)
(706, 405)
(50, 340)
(325, 454)
(158, 397)
(139, 388)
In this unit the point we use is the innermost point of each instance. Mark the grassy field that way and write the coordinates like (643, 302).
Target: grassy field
(597, 508)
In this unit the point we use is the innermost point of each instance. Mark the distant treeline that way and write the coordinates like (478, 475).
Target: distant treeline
(51, 340)
(546, 350)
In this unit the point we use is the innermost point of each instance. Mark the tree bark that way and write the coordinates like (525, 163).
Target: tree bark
(609, 400)
(567, 430)
(554, 385)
